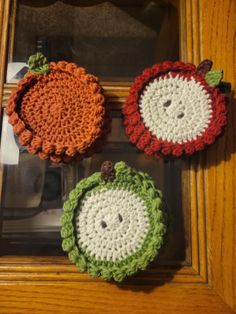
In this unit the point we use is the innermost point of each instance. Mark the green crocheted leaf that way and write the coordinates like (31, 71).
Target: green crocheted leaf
(214, 77)
(38, 63)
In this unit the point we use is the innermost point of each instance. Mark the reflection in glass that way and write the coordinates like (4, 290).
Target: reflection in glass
(115, 40)
(31, 219)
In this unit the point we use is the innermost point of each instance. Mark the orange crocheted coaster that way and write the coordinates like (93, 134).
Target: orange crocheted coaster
(59, 115)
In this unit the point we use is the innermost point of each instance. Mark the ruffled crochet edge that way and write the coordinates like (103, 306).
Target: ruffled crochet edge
(143, 185)
(56, 152)
(141, 136)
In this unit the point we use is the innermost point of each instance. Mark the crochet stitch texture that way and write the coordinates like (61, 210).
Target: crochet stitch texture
(113, 228)
(175, 108)
(59, 115)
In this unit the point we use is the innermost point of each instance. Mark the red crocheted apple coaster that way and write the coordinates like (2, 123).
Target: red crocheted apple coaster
(175, 108)
(58, 111)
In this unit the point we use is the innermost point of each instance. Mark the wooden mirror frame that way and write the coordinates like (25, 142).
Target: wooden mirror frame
(208, 285)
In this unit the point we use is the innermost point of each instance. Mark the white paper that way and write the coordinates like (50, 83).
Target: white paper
(12, 69)
(9, 151)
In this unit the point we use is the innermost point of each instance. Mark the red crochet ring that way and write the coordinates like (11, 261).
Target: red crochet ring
(175, 108)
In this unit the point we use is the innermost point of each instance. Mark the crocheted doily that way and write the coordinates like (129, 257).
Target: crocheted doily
(58, 111)
(175, 108)
(113, 225)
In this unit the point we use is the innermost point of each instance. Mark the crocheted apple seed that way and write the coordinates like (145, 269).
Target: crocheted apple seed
(175, 108)
(112, 228)
(58, 110)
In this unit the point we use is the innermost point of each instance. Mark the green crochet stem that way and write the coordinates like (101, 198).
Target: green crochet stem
(129, 179)
(38, 63)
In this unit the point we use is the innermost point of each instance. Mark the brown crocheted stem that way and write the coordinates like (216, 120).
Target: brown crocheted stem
(204, 66)
(108, 171)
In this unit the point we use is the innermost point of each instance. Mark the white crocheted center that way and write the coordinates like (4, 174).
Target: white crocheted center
(175, 109)
(112, 224)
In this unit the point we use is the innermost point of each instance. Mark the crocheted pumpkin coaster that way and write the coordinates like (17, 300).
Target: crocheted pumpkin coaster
(113, 223)
(175, 108)
(58, 111)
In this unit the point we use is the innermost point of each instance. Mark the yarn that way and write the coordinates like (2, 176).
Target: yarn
(113, 228)
(204, 66)
(38, 63)
(170, 118)
(61, 114)
(108, 171)
(111, 224)
(175, 108)
(214, 77)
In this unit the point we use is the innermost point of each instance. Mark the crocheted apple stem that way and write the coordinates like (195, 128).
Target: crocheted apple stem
(204, 67)
(38, 63)
(212, 77)
(108, 171)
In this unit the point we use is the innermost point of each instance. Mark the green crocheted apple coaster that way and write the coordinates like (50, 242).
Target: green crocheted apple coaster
(113, 223)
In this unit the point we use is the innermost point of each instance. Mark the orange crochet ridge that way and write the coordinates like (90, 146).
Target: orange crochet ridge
(60, 115)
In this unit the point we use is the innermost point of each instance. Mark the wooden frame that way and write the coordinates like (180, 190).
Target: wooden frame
(208, 285)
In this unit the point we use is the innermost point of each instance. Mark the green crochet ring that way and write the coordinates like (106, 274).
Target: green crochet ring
(113, 223)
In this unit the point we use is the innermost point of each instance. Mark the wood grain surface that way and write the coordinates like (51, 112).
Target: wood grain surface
(105, 298)
(218, 42)
(208, 285)
(4, 15)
